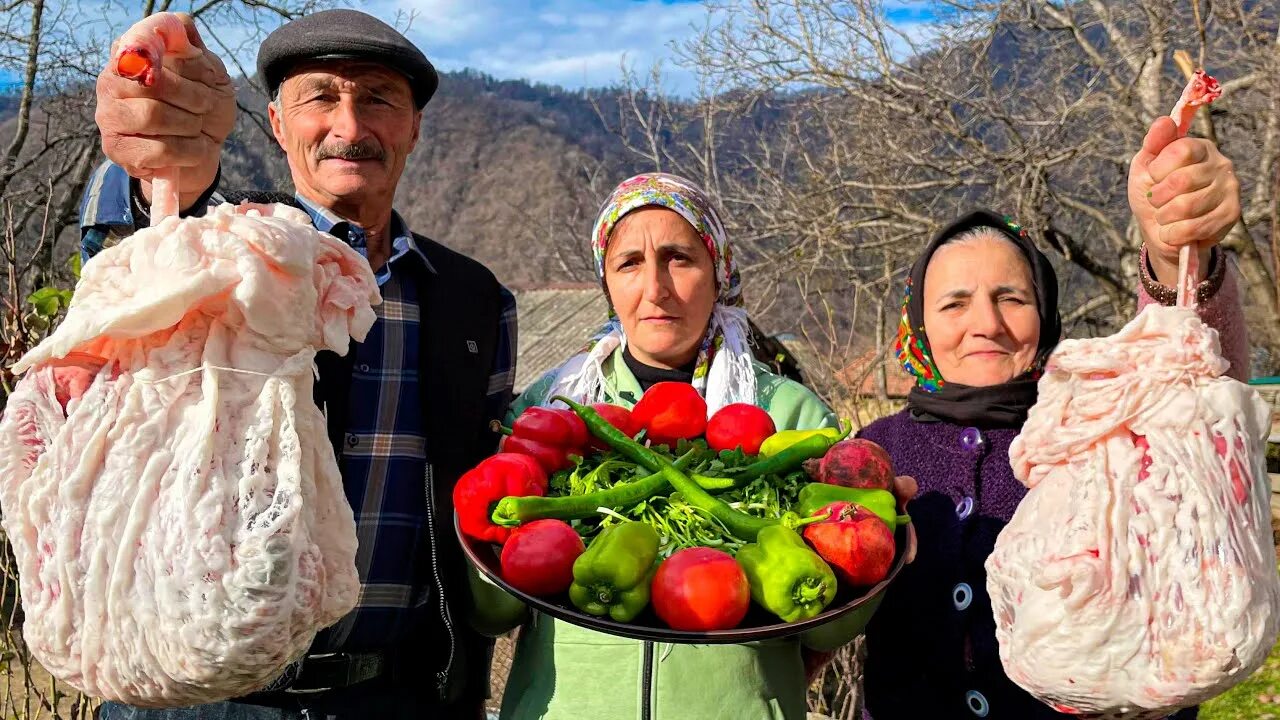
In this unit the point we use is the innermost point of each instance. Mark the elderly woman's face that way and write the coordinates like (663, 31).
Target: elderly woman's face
(662, 284)
(980, 312)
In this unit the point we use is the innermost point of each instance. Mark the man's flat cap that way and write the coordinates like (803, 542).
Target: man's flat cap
(344, 34)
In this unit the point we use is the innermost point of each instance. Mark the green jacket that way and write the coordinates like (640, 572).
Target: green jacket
(564, 672)
(791, 405)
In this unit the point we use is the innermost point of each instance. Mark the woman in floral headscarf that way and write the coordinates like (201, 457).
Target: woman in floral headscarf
(665, 263)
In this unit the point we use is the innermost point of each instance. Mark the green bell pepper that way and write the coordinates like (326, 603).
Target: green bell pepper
(815, 496)
(787, 578)
(612, 577)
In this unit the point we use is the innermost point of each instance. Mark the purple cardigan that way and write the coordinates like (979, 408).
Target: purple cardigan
(931, 647)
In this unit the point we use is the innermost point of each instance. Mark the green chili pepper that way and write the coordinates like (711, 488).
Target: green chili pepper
(784, 439)
(511, 511)
(612, 577)
(815, 496)
(786, 577)
(740, 525)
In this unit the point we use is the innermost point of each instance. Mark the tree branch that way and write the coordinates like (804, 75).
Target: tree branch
(7, 171)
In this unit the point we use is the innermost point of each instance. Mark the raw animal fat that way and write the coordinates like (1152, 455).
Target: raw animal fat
(166, 479)
(1138, 575)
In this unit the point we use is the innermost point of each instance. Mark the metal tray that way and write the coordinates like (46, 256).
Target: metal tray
(853, 607)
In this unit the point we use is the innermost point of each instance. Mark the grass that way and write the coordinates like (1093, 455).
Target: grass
(1257, 698)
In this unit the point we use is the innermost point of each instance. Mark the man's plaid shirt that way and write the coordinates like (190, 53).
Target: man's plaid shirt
(383, 461)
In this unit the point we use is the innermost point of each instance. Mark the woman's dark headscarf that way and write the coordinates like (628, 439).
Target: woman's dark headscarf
(1003, 405)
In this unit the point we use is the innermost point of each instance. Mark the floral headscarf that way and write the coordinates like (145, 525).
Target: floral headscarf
(674, 193)
(723, 371)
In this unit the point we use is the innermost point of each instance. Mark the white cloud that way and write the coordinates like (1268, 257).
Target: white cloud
(575, 43)
(438, 22)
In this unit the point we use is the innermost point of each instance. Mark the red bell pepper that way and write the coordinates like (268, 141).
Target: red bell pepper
(477, 491)
(548, 435)
(670, 412)
(549, 457)
(554, 426)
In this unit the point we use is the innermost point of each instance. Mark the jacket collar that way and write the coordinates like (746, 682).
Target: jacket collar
(402, 240)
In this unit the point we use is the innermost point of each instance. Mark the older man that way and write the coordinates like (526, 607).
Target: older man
(408, 409)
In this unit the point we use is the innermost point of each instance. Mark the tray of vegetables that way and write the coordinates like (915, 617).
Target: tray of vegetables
(660, 524)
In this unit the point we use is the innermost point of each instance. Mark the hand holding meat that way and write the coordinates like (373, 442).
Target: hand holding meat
(1181, 190)
(176, 115)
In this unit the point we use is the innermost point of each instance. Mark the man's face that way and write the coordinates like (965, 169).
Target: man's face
(346, 127)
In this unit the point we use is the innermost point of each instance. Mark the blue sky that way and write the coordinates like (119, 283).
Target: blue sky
(572, 43)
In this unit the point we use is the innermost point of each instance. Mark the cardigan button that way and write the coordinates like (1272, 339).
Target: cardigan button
(964, 508)
(364, 367)
(971, 439)
(977, 703)
(962, 596)
(352, 440)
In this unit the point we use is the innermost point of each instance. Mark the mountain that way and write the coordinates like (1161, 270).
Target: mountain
(508, 172)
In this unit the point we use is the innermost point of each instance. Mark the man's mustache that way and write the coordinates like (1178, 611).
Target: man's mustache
(350, 151)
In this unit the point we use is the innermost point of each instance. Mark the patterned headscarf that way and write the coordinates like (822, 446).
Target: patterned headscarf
(1004, 404)
(723, 371)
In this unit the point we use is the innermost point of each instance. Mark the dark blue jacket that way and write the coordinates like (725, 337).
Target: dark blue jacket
(931, 647)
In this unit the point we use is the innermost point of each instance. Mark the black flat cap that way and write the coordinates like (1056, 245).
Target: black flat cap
(349, 35)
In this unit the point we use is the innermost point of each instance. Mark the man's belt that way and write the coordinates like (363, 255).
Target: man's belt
(316, 673)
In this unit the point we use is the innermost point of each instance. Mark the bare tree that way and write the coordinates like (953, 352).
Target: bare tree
(863, 136)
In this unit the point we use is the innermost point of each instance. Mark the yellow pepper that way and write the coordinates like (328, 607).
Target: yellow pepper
(780, 441)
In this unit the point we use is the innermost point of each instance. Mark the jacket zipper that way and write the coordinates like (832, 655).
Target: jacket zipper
(442, 676)
(646, 690)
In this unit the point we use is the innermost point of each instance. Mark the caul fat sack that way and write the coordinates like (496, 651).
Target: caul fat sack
(1138, 575)
(166, 478)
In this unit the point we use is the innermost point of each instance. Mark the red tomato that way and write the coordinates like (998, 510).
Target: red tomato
(700, 589)
(538, 557)
(739, 425)
(671, 411)
(617, 416)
